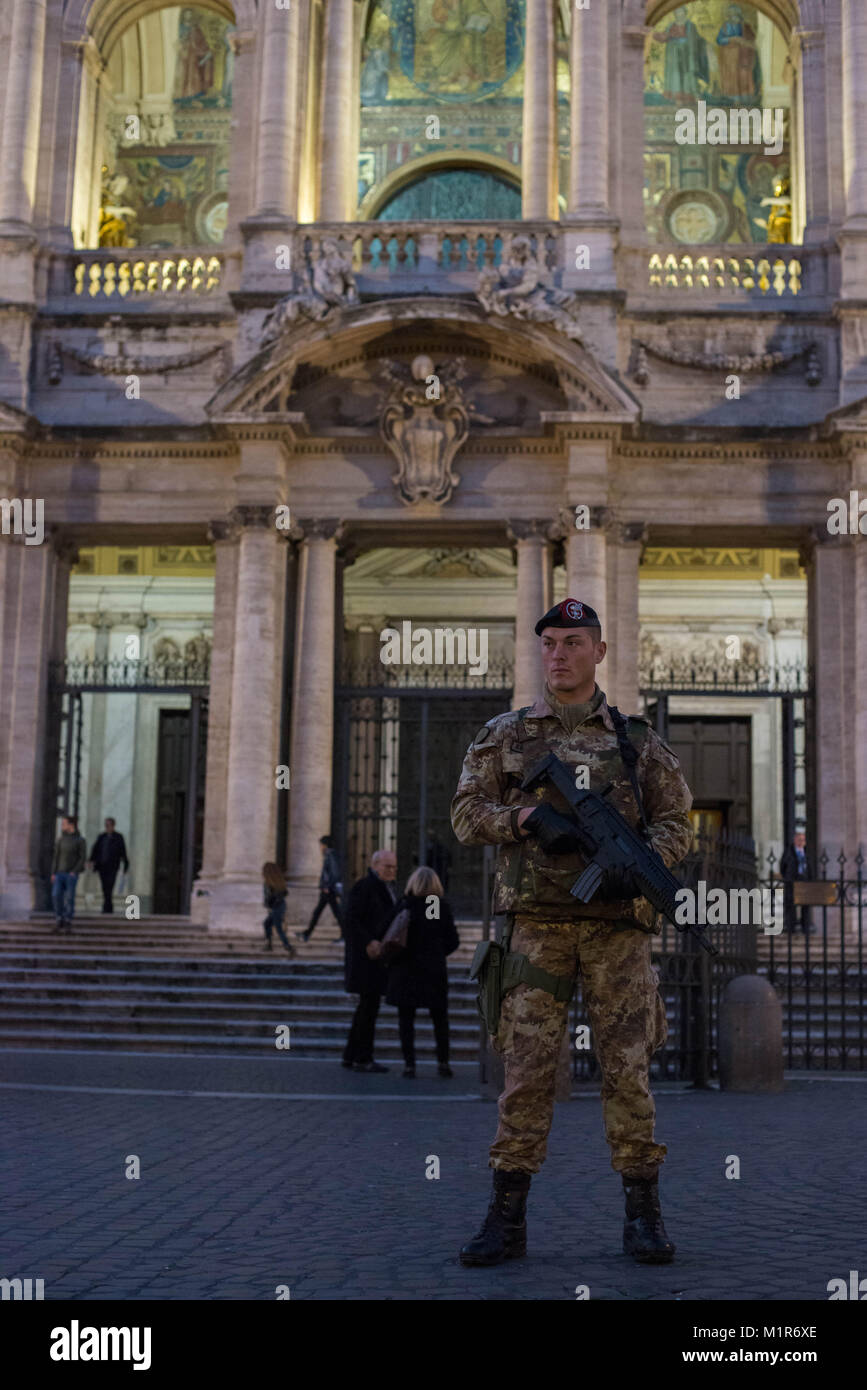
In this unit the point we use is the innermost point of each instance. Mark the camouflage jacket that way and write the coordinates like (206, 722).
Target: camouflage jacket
(536, 884)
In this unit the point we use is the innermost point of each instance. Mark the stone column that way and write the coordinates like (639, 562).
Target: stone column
(586, 561)
(278, 135)
(837, 641)
(253, 733)
(533, 546)
(539, 164)
(19, 133)
(312, 711)
(224, 535)
(589, 221)
(853, 234)
(629, 199)
(337, 196)
(588, 160)
(855, 111)
(625, 544)
(812, 192)
(36, 599)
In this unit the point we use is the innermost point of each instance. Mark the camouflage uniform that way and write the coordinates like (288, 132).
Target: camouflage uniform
(609, 943)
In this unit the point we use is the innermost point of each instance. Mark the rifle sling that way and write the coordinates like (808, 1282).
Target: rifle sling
(629, 756)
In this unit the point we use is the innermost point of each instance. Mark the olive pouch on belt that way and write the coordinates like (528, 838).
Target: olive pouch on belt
(487, 970)
(498, 969)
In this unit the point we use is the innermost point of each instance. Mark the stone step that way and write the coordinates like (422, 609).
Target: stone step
(279, 1010)
(301, 996)
(463, 1048)
(112, 1018)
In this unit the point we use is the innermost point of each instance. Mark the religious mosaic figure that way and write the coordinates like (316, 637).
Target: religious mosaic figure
(194, 74)
(685, 75)
(740, 76)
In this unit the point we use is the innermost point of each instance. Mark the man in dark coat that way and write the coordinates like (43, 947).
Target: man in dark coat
(370, 908)
(107, 855)
(794, 866)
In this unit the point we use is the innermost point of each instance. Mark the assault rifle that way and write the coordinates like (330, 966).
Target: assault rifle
(608, 841)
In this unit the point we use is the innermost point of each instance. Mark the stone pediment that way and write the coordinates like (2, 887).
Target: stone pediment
(519, 376)
(847, 419)
(394, 566)
(15, 421)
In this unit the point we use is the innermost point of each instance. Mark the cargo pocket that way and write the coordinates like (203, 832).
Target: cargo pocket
(660, 1032)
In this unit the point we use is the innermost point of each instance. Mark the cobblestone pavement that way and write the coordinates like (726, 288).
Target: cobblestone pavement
(251, 1188)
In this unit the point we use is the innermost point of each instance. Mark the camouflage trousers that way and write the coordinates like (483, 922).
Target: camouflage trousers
(628, 1024)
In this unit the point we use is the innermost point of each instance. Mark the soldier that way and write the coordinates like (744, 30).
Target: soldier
(607, 939)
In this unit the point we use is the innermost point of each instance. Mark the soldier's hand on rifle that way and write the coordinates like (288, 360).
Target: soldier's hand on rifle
(618, 884)
(555, 833)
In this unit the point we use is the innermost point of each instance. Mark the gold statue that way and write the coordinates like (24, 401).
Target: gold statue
(779, 221)
(115, 218)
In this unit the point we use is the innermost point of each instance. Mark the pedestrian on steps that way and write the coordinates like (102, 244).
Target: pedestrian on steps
(70, 857)
(275, 892)
(330, 888)
(417, 975)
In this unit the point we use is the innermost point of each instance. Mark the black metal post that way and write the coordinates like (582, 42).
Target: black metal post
(422, 781)
(662, 716)
(75, 705)
(189, 846)
(788, 755)
(290, 596)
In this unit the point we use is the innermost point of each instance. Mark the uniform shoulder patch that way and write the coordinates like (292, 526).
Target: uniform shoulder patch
(488, 732)
(660, 750)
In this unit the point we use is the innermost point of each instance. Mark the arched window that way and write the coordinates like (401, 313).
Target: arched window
(165, 130)
(717, 109)
(451, 194)
(440, 76)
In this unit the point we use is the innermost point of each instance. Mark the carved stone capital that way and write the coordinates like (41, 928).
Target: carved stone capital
(601, 519)
(815, 536)
(222, 529)
(260, 516)
(631, 533)
(538, 528)
(63, 546)
(321, 528)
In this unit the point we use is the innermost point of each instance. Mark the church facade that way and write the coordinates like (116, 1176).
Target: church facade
(340, 319)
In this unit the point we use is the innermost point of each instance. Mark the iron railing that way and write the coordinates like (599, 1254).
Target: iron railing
(116, 674)
(814, 958)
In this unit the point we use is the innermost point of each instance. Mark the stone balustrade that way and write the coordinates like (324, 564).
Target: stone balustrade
(386, 249)
(131, 272)
(446, 257)
(799, 276)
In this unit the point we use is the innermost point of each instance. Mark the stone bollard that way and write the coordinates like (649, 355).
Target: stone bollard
(750, 1036)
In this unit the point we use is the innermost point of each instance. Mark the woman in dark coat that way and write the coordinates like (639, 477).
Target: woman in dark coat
(417, 975)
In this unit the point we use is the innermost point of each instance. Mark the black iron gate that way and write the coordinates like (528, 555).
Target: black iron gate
(69, 682)
(791, 684)
(398, 747)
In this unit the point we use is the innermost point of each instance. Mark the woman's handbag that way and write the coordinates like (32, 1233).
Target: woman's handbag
(394, 940)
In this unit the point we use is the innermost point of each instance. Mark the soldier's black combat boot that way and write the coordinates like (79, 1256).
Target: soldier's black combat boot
(644, 1236)
(504, 1233)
